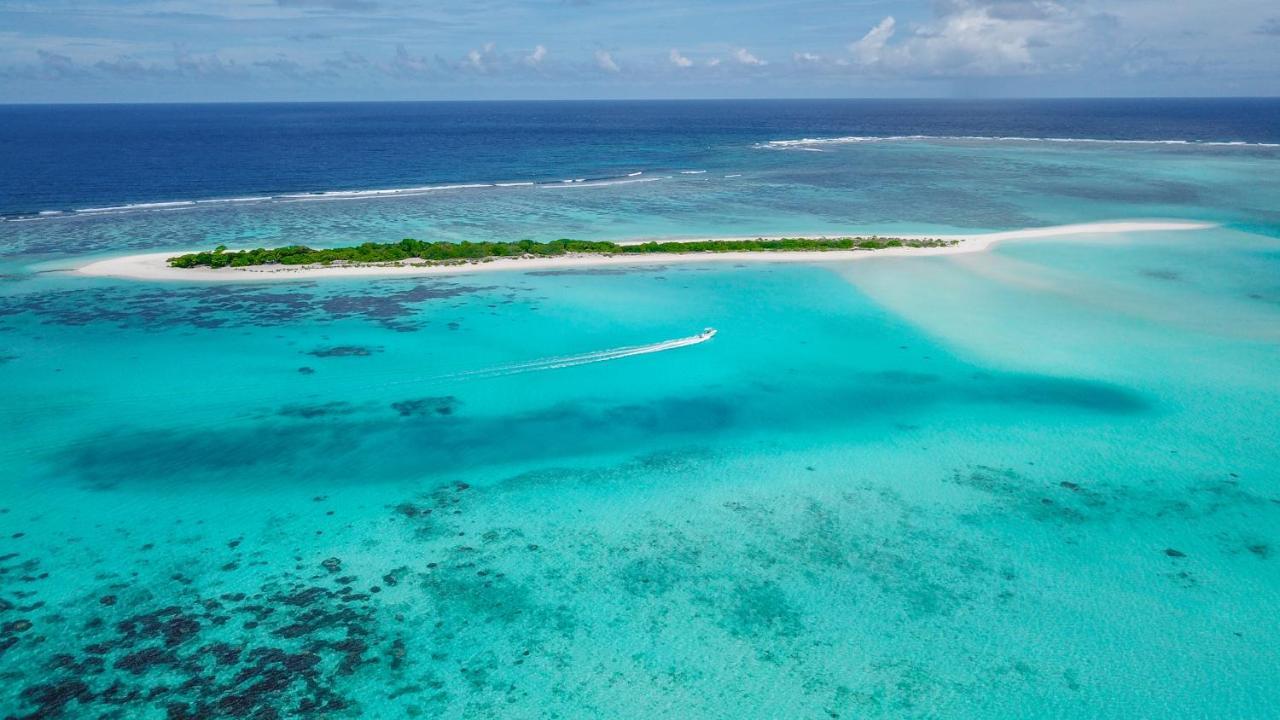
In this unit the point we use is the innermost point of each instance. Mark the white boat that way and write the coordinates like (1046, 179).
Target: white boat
(707, 334)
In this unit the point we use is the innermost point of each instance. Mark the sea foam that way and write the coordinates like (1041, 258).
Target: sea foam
(809, 143)
(291, 197)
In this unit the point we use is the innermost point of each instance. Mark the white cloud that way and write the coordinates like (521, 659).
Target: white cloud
(982, 46)
(870, 48)
(483, 60)
(605, 62)
(984, 38)
(536, 57)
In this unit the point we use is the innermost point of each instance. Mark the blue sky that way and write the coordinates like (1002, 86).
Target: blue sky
(211, 50)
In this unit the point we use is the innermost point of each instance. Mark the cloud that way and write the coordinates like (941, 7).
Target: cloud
(679, 60)
(294, 70)
(337, 5)
(493, 61)
(348, 62)
(57, 66)
(132, 68)
(536, 57)
(206, 66)
(483, 60)
(406, 65)
(605, 62)
(745, 58)
(986, 38)
(869, 49)
(372, 48)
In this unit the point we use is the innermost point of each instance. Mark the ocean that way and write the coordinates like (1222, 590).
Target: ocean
(1034, 482)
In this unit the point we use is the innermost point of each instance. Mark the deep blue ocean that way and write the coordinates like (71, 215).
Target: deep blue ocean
(72, 157)
(1040, 481)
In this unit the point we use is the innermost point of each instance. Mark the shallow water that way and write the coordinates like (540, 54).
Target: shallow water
(1039, 482)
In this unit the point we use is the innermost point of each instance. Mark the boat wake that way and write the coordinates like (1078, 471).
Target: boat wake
(567, 361)
(136, 406)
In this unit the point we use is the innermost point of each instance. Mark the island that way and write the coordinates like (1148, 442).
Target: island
(411, 257)
(429, 253)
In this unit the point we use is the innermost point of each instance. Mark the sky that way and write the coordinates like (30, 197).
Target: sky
(253, 50)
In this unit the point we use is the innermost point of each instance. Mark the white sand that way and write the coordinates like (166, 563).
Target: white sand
(154, 266)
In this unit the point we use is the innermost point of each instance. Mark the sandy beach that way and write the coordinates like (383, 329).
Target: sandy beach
(154, 266)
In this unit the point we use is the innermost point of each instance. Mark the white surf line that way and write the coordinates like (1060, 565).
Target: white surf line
(806, 143)
(300, 196)
(599, 183)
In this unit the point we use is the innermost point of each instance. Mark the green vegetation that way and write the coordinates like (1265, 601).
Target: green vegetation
(447, 252)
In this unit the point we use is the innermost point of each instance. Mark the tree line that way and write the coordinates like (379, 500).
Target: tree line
(447, 252)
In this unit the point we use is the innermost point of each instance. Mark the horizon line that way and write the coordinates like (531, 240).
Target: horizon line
(1009, 98)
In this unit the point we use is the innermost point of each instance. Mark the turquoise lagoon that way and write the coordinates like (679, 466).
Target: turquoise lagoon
(1036, 482)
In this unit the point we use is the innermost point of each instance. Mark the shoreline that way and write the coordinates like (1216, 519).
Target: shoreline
(155, 267)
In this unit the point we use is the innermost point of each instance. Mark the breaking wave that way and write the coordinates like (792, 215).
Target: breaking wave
(175, 205)
(811, 143)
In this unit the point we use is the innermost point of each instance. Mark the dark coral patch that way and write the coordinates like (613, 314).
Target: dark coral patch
(283, 665)
(444, 405)
(393, 309)
(344, 351)
(51, 699)
(230, 306)
(145, 660)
